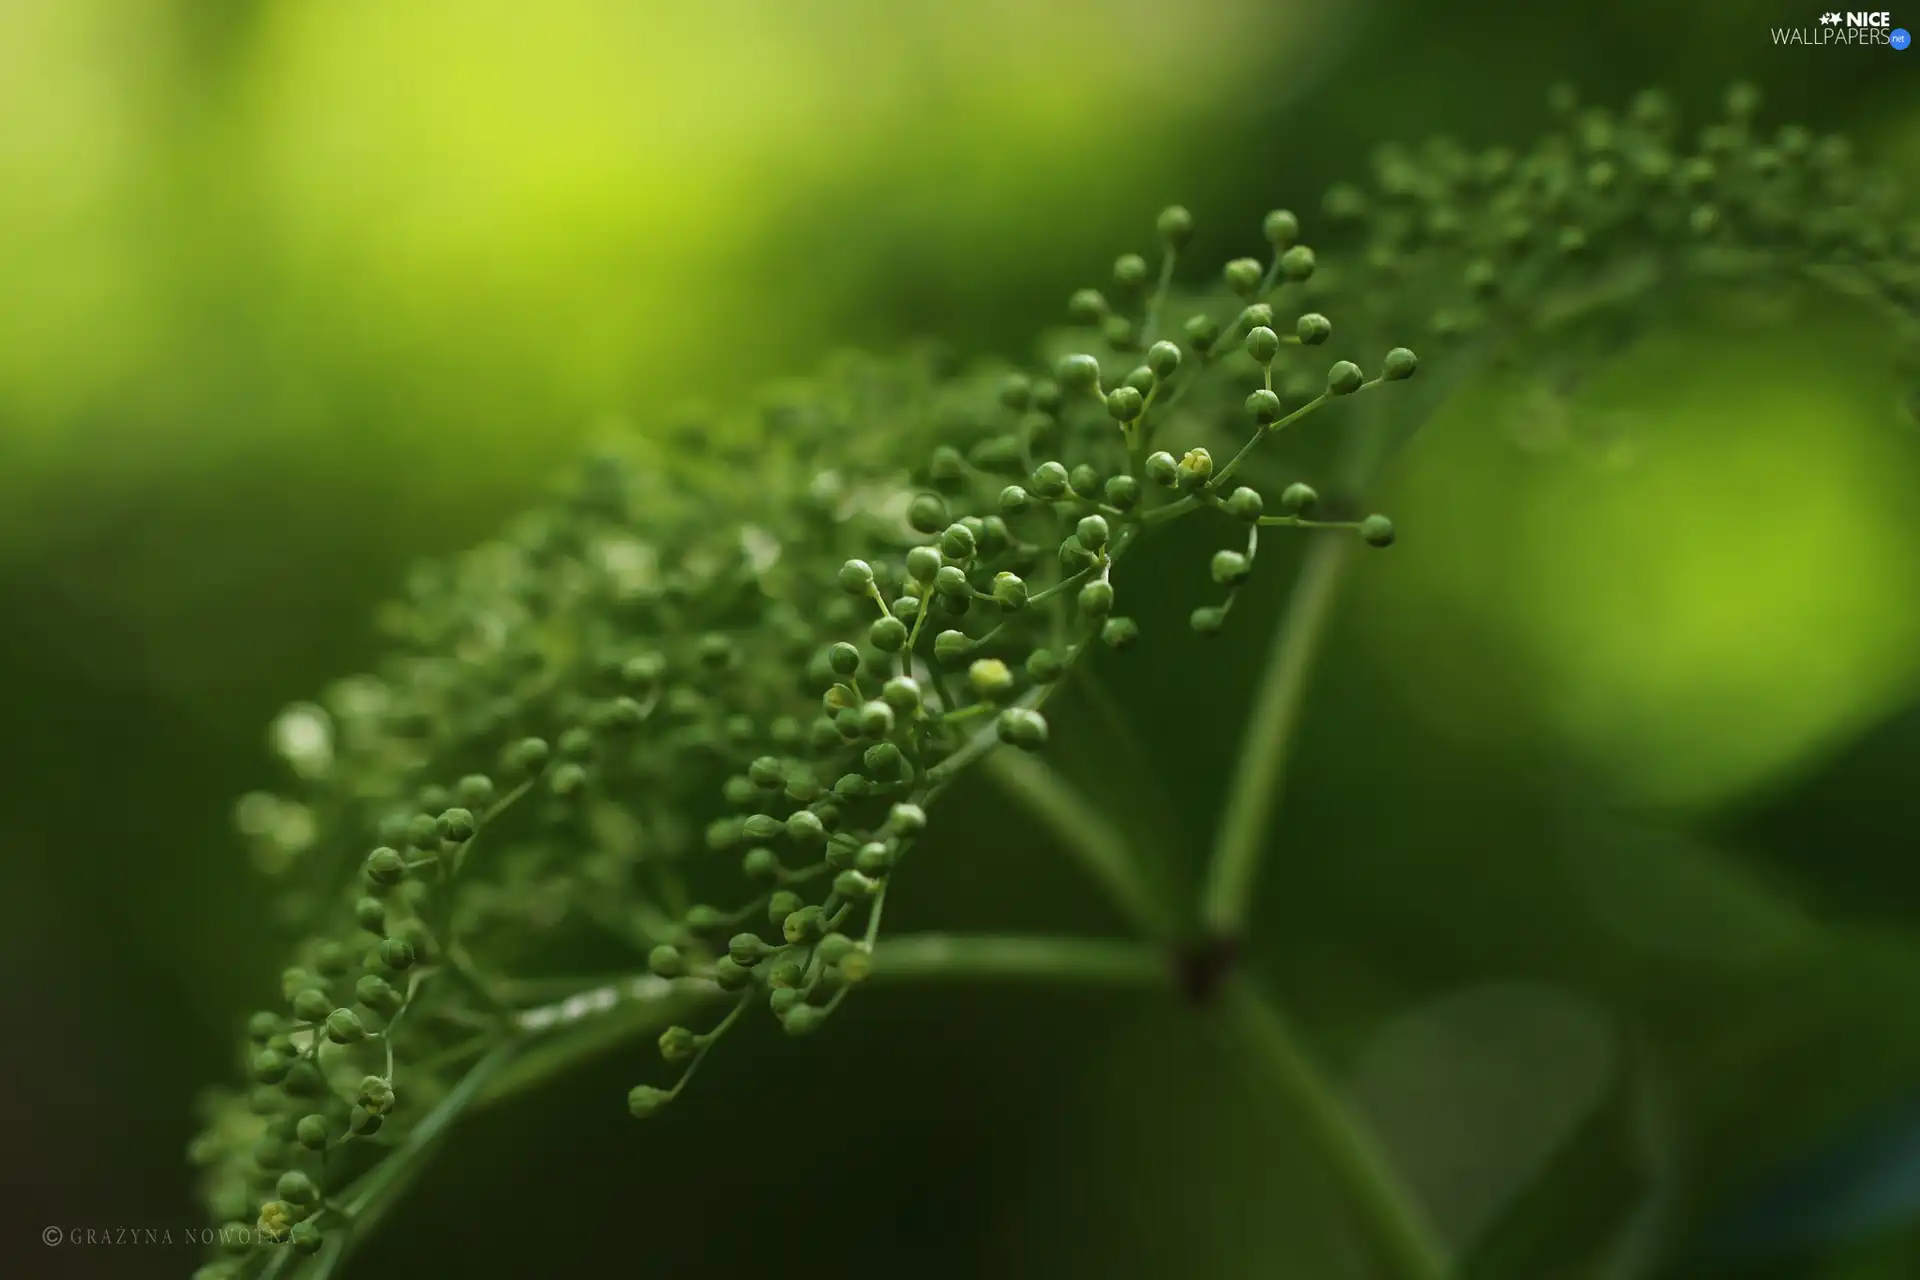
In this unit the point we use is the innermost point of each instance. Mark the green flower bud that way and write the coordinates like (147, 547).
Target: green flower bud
(362, 1123)
(264, 1026)
(1163, 470)
(1195, 468)
(1050, 481)
(1297, 264)
(1087, 306)
(311, 1005)
(1263, 406)
(1243, 276)
(1023, 728)
(1141, 379)
(1207, 619)
(1084, 481)
(344, 1027)
(1096, 599)
(804, 925)
(1079, 373)
(295, 1187)
(1122, 492)
(760, 865)
(907, 819)
(311, 1132)
(528, 756)
(853, 885)
(948, 470)
(1482, 278)
(1093, 532)
(1399, 364)
(883, 760)
(1124, 404)
(331, 959)
(577, 743)
(475, 791)
(1119, 633)
(729, 976)
(666, 961)
(276, 1220)
(927, 512)
(643, 1100)
(761, 826)
(856, 577)
(269, 1067)
(835, 947)
(951, 582)
(875, 858)
(423, 832)
(385, 866)
(1263, 344)
(958, 542)
(783, 904)
(397, 954)
(678, 1044)
(1704, 220)
(1313, 329)
(747, 950)
(1202, 332)
(1231, 568)
(1044, 666)
(876, 721)
(1130, 271)
(307, 1237)
(456, 826)
(644, 671)
(1297, 497)
(375, 1095)
(806, 829)
(1009, 590)
(1175, 225)
(843, 659)
(377, 994)
(1280, 228)
(990, 679)
(889, 634)
(1014, 499)
(1016, 391)
(1344, 378)
(1163, 358)
(851, 786)
(951, 647)
(902, 693)
(1244, 504)
(923, 563)
(1377, 530)
(801, 1019)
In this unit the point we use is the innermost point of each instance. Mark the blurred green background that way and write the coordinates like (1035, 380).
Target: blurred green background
(1601, 873)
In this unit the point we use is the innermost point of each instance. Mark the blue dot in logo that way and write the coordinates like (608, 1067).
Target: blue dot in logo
(1899, 38)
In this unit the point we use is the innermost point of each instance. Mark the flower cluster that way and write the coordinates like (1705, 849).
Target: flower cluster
(688, 721)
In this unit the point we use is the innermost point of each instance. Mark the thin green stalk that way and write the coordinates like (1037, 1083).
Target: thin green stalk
(1084, 832)
(937, 957)
(1395, 1223)
(1266, 742)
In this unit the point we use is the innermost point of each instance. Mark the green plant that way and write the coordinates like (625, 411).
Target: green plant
(713, 662)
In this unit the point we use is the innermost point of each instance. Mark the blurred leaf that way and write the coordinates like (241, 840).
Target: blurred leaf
(1603, 1208)
(1670, 896)
(1833, 827)
(1476, 1091)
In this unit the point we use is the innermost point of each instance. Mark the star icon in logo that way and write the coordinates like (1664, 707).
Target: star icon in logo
(1829, 19)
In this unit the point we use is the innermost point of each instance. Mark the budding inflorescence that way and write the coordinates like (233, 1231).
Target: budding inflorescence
(688, 683)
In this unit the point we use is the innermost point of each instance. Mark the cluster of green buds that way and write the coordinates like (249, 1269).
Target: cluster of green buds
(695, 713)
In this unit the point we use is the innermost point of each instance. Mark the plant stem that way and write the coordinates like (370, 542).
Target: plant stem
(1266, 742)
(936, 957)
(1101, 850)
(1395, 1223)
